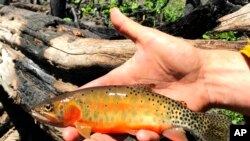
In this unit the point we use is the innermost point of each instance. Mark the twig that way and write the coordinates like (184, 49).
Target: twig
(75, 17)
(11, 135)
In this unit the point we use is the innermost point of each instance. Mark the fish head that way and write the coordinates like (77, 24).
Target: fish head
(49, 112)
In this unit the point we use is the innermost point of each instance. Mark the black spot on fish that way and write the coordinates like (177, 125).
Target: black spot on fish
(193, 117)
(178, 108)
(92, 90)
(172, 104)
(185, 118)
(80, 102)
(192, 122)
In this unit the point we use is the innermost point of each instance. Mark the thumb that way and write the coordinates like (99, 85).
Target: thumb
(126, 26)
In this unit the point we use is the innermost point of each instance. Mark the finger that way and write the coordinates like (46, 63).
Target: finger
(125, 25)
(144, 135)
(100, 137)
(175, 134)
(70, 134)
(134, 31)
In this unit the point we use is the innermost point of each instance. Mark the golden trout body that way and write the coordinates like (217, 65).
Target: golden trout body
(122, 109)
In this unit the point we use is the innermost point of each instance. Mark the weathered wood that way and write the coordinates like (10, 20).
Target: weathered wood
(60, 48)
(200, 20)
(32, 7)
(40, 53)
(218, 44)
(58, 44)
(58, 8)
(5, 2)
(28, 84)
(237, 21)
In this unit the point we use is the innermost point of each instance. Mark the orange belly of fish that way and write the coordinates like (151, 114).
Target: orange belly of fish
(122, 127)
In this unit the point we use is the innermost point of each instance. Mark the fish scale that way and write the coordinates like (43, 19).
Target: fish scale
(125, 109)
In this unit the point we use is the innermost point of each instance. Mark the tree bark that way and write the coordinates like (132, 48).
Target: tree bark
(42, 56)
(237, 21)
(58, 8)
(202, 19)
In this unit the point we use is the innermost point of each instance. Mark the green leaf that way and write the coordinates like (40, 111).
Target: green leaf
(67, 19)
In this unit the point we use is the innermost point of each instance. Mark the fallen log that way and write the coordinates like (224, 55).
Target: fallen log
(43, 56)
(202, 19)
(237, 21)
(16, 78)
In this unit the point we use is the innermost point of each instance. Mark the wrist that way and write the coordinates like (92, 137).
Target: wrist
(227, 79)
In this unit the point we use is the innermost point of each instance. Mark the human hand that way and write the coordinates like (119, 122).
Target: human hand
(172, 65)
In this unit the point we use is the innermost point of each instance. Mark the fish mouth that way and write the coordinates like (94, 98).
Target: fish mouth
(43, 119)
(39, 116)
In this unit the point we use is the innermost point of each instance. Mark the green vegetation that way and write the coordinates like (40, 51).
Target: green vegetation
(236, 118)
(75, 1)
(156, 11)
(227, 36)
(67, 19)
(173, 11)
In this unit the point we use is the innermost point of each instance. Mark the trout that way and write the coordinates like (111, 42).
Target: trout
(122, 109)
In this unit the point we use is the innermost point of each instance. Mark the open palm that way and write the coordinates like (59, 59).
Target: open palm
(170, 65)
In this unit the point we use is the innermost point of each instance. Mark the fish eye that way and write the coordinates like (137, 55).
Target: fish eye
(48, 107)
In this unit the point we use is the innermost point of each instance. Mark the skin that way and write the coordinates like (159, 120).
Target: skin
(201, 78)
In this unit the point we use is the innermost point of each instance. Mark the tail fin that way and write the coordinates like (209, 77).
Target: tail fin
(205, 126)
(217, 127)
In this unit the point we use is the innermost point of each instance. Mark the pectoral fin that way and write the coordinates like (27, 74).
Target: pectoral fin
(83, 130)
